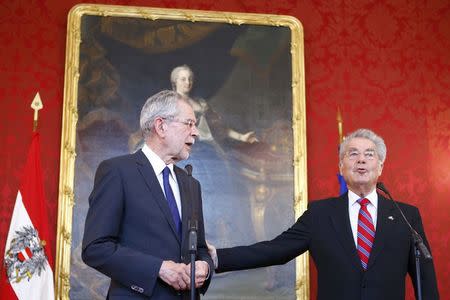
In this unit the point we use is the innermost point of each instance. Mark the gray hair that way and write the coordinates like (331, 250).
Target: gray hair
(380, 146)
(175, 71)
(163, 104)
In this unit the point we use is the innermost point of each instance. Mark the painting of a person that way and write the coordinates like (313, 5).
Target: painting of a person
(216, 170)
(210, 124)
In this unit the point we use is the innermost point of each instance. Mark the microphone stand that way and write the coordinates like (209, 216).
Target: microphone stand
(192, 241)
(193, 252)
(419, 246)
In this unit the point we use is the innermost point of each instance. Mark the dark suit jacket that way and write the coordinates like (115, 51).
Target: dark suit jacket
(129, 229)
(324, 229)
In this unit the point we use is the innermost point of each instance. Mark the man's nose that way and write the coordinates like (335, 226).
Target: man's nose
(361, 158)
(194, 131)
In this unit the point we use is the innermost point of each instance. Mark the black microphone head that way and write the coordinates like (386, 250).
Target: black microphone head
(382, 188)
(188, 169)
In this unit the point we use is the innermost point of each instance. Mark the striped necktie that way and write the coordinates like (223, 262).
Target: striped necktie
(366, 233)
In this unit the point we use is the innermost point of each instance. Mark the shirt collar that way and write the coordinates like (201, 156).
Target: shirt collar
(157, 163)
(372, 196)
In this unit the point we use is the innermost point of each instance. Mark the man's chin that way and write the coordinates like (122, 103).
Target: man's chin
(366, 184)
(183, 156)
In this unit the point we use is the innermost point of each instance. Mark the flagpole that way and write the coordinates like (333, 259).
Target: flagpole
(340, 124)
(36, 105)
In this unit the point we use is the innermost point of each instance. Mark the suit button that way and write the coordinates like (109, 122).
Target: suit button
(182, 258)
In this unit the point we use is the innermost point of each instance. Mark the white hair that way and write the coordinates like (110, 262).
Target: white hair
(380, 146)
(176, 70)
(163, 104)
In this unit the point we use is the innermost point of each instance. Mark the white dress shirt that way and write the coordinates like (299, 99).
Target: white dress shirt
(353, 210)
(158, 166)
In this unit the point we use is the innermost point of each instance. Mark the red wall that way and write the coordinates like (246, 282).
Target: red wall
(385, 63)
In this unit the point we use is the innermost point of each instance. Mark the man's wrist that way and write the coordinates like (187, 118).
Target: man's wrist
(215, 260)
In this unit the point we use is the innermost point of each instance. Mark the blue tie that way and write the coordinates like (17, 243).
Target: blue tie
(171, 200)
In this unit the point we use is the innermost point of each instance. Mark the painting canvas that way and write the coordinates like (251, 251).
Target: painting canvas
(248, 97)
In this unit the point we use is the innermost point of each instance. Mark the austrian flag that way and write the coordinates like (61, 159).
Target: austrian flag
(27, 259)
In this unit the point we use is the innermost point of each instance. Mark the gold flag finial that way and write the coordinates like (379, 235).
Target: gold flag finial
(36, 104)
(340, 124)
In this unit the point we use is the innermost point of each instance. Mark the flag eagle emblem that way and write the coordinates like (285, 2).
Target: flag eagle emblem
(26, 255)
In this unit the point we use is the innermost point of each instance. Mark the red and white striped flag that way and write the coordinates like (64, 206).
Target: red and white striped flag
(27, 259)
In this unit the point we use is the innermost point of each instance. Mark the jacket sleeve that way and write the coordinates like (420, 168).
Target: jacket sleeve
(101, 248)
(280, 250)
(202, 249)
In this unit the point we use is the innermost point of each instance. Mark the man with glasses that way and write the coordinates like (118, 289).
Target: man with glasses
(137, 224)
(360, 244)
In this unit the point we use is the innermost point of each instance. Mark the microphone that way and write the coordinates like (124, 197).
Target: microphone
(417, 238)
(193, 225)
(188, 170)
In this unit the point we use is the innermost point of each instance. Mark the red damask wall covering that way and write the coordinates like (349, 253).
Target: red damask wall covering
(385, 63)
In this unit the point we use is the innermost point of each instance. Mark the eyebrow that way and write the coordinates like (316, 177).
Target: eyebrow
(356, 149)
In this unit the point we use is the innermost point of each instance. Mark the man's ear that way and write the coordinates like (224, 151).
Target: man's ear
(160, 126)
(381, 169)
(340, 167)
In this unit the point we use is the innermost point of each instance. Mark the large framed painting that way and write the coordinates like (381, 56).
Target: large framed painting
(248, 94)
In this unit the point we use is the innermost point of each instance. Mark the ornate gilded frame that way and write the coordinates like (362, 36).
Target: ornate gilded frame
(70, 117)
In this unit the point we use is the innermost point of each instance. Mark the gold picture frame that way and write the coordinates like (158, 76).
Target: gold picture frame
(93, 81)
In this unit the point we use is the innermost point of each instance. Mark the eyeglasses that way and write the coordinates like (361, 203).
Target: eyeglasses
(355, 154)
(189, 122)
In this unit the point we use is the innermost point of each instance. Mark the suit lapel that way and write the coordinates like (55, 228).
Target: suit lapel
(384, 226)
(341, 223)
(149, 176)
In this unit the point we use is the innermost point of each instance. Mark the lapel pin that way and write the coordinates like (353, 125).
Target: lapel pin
(391, 218)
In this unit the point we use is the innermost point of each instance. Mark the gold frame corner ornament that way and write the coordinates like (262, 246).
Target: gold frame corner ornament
(66, 198)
